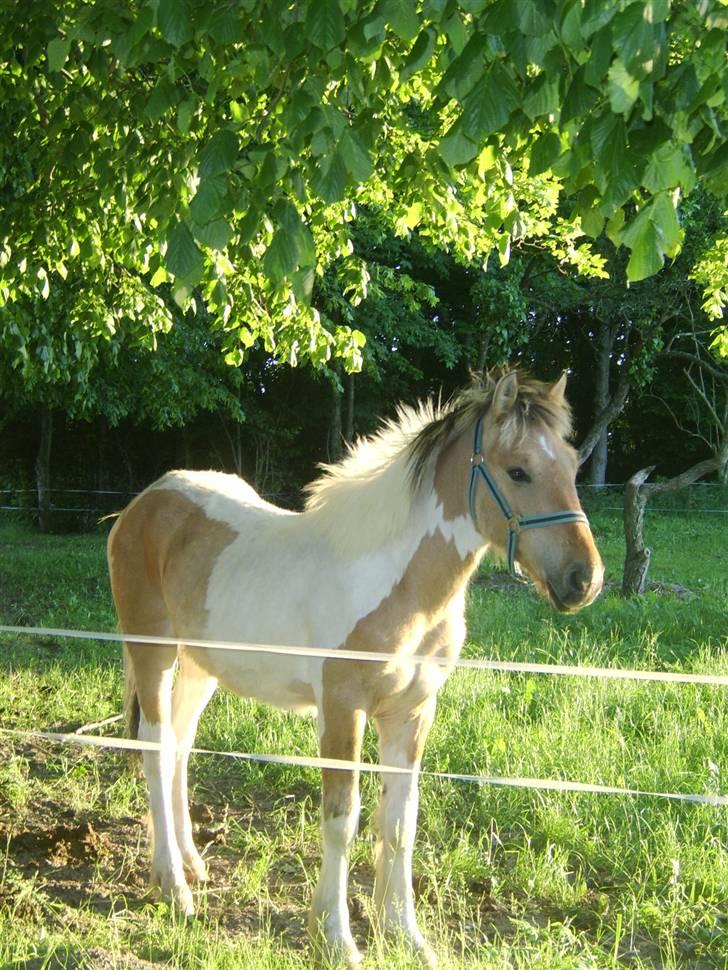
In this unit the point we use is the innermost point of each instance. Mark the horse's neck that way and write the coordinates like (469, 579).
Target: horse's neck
(446, 545)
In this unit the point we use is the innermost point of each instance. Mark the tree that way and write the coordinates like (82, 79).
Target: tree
(50, 364)
(706, 418)
(225, 148)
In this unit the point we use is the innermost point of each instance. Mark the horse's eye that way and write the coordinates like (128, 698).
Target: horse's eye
(519, 475)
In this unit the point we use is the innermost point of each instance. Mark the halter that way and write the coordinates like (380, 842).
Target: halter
(516, 523)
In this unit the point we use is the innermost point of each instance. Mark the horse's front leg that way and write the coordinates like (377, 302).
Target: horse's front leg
(402, 738)
(341, 730)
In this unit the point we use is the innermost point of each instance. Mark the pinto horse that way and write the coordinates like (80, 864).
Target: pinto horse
(379, 560)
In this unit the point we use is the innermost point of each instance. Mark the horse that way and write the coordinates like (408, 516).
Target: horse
(378, 560)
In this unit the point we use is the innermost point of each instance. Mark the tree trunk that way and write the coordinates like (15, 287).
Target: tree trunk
(43, 470)
(349, 429)
(637, 555)
(335, 443)
(102, 454)
(606, 336)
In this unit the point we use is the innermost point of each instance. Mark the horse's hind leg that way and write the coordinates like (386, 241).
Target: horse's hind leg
(153, 671)
(190, 697)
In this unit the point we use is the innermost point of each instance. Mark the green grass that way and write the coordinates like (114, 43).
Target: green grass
(505, 877)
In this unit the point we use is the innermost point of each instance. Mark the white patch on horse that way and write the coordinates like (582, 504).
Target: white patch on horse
(462, 533)
(543, 441)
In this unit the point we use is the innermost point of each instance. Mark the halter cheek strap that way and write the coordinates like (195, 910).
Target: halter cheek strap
(516, 523)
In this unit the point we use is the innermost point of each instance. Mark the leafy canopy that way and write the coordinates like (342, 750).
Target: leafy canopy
(224, 147)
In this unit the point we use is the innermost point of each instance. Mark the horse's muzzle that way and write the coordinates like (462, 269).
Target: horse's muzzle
(580, 586)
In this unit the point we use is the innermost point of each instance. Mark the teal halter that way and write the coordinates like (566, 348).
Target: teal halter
(516, 523)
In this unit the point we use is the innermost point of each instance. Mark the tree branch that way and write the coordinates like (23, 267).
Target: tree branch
(605, 417)
(718, 373)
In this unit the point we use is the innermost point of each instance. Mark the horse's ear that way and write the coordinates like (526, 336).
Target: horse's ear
(505, 394)
(557, 391)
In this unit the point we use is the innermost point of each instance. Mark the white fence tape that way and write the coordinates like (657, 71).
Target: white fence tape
(82, 738)
(303, 761)
(509, 666)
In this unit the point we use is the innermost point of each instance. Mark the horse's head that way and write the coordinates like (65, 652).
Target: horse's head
(523, 494)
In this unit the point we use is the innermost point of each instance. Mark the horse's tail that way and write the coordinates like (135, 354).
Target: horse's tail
(131, 698)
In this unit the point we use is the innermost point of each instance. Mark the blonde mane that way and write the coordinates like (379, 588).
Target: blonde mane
(366, 499)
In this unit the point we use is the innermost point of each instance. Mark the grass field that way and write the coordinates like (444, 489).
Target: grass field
(504, 877)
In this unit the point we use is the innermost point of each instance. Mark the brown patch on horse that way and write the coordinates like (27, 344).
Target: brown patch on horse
(162, 550)
(452, 472)
(407, 619)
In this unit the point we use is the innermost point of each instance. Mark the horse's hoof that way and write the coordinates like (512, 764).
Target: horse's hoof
(340, 953)
(177, 895)
(196, 870)
(426, 955)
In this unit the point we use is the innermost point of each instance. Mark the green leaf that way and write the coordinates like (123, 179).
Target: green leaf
(324, 25)
(530, 17)
(161, 99)
(542, 97)
(281, 257)
(596, 15)
(646, 256)
(184, 259)
(592, 222)
(465, 71)
(570, 31)
(609, 142)
(413, 215)
(622, 88)
(216, 234)
(220, 153)
(668, 168)
(302, 281)
(544, 153)
(579, 99)
(488, 107)
(355, 156)
(654, 233)
(208, 201)
(456, 148)
(331, 177)
(57, 52)
(401, 15)
(184, 115)
(656, 11)
(420, 54)
(289, 219)
(600, 55)
(664, 216)
(637, 40)
(173, 20)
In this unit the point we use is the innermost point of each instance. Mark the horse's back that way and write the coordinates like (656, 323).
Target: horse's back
(165, 544)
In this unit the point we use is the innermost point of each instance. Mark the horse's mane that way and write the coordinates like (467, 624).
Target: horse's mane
(366, 498)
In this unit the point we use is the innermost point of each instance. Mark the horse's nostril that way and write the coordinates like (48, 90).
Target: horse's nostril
(580, 579)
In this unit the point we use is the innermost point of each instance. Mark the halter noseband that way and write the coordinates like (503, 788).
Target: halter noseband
(516, 523)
